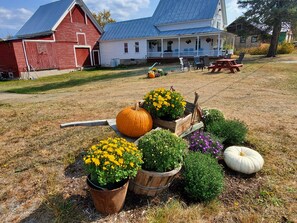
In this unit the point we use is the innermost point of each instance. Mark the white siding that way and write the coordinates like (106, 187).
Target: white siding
(115, 49)
(218, 18)
(188, 25)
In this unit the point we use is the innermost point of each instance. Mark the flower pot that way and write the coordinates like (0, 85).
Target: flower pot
(108, 201)
(151, 183)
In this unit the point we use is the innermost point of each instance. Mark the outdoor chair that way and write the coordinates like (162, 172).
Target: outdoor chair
(240, 58)
(198, 62)
(184, 64)
(206, 61)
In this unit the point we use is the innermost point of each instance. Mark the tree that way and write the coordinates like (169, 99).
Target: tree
(103, 17)
(271, 14)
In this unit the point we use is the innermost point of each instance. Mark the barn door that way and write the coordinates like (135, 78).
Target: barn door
(83, 58)
(96, 60)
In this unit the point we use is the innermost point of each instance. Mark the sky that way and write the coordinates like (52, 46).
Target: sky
(14, 13)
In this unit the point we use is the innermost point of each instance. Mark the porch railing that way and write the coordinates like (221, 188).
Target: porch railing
(185, 53)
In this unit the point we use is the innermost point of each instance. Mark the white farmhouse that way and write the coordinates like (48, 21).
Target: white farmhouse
(178, 28)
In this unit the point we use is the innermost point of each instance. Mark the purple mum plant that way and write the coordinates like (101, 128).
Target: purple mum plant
(202, 142)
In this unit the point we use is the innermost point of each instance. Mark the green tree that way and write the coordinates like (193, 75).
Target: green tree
(271, 14)
(103, 17)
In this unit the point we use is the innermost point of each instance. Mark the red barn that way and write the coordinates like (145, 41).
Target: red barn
(59, 35)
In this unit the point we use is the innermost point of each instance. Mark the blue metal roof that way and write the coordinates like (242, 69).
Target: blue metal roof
(44, 19)
(176, 11)
(137, 28)
(167, 12)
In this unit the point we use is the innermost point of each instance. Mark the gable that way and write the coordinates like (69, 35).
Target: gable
(47, 17)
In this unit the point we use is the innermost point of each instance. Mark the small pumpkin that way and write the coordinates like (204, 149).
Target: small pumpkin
(243, 159)
(134, 121)
(151, 74)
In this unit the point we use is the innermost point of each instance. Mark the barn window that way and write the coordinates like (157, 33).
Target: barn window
(126, 47)
(81, 38)
(136, 47)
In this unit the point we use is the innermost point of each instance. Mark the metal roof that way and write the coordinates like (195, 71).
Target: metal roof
(137, 28)
(167, 12)
(177, 11)
(45, 19)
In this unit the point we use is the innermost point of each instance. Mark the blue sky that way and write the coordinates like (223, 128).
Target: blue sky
(14, 13)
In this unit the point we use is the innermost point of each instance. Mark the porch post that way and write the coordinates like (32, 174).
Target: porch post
(162, 48)
(178, 46)
(219, 43)
(198, 38)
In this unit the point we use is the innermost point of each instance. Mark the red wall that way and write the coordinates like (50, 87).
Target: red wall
(7, 57)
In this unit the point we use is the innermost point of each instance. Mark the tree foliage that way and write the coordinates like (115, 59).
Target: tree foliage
(103, 17)
(272, 15)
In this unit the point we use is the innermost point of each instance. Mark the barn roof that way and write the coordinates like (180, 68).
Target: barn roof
(47, 17)
(167, 12)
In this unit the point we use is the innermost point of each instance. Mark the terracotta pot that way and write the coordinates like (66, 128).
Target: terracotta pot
(108, 201)
(151, 183)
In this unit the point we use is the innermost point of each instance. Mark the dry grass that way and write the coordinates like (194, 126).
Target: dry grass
(42, 179)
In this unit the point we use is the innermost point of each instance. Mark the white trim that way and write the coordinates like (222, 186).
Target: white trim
(70, 13)
(82, 46)
(81, 33)
(86, 18)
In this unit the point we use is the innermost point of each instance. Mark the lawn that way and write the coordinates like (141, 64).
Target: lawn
(42, 177)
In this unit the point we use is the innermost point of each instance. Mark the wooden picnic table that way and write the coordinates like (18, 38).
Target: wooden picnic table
(225, 64)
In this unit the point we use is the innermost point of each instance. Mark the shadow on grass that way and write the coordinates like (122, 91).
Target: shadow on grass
(72, 83)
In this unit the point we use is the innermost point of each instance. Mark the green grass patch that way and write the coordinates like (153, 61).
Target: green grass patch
(45, 84)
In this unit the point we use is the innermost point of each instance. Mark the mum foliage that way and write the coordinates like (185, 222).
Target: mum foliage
(164, 104)
(112, 160)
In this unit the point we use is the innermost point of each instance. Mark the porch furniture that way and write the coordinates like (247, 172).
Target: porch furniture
(184, 64)
(198, 62)
(225, 64)
(206, 61)
(240, 58)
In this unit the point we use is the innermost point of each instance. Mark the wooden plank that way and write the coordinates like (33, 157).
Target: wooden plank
(85, 123)
(193, 128)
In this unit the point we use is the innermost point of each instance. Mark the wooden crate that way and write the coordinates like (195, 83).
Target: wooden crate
(176, 126)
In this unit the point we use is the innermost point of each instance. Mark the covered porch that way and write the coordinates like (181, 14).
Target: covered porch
(207, 44)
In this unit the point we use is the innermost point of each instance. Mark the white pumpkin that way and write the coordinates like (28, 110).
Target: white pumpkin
(243, 159)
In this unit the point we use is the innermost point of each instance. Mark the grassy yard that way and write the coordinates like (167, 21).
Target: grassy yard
(42, 177)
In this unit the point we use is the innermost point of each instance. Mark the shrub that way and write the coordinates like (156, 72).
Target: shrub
(212, 115)
(285, 48)
(203, 177)
(203, 142)
(162, 150)
(261, 50)
(232, 132)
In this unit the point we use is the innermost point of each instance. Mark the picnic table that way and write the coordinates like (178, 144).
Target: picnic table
(225, 64)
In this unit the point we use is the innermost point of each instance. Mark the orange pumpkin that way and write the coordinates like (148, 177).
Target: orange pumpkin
(134, 121)
(151, 75)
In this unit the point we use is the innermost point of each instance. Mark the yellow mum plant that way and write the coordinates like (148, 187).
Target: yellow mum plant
(164, 104)
(112, 160)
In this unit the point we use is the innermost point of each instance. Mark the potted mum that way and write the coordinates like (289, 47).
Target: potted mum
(167, 108)
(110, 164)
(163, 154)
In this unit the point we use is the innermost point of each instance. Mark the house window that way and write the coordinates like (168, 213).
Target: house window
(242, 39)
(136, 47)
(126, 47)
(254, 39)
(218, 25)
